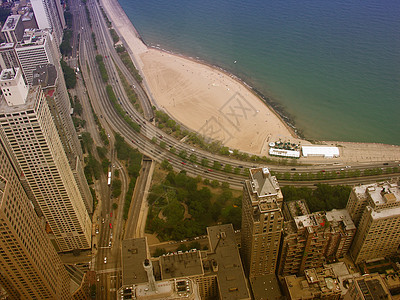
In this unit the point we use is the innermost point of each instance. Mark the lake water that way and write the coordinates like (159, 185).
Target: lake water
(333, 66)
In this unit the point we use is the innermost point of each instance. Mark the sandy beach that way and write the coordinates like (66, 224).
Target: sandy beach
(217, 105)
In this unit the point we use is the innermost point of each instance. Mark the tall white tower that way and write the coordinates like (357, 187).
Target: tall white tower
(13, 87)
(33, 143)
(148, 267)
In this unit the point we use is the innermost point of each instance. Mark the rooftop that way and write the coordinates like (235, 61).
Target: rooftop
(134, 252)
(30, 102)
(33, 37)
(263, 183)
(6, 46)
(11, 22)
(311, 220)
(226, 262)
(181, 265)
(384, 193)
(45, 75)
(8, 74)
(340, 215)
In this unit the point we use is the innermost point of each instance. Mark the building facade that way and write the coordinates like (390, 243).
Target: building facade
(378, 230)
(32, 140)
(29, 266)
(49, 14)
(262, 223)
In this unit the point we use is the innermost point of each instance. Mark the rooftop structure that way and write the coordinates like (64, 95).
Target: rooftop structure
(368, 287)
(226, 263)
(134, 252)
(178, 265)
(322, 151)
(314, 284)
(292, 209)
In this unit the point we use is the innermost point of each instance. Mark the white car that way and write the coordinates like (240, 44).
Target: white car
(109, 244)
(105, 259)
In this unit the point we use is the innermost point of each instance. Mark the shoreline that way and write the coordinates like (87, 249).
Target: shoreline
(140, 51)
(272, 105)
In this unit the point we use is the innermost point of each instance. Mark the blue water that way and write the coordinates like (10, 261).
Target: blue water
(333, 66)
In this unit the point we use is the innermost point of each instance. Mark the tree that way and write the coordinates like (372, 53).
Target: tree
(228, 168)
(217, 165)
(182, 154)
(69, 75)
(87, 141)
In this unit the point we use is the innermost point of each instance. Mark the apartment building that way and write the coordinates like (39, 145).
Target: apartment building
(29, 266)
(379, 226)
(262, 223)
(32, 141)
(312, 239)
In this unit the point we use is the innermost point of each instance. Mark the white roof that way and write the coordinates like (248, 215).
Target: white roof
(320, 151)
(284, 153)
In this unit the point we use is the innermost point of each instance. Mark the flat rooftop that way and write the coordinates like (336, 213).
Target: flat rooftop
(6, 46)
(178, 265)
(45, 75)
(11, 22)
(33, 37)
(311, 220)
(134, 252)
(340, 215)
(384, 193)
(28, 105)
(226, 262)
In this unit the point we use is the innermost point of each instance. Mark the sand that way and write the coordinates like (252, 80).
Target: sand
(217, 105)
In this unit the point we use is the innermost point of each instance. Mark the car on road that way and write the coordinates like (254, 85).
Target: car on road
(102, 221)
(110, 225)
(183, 163)
(385, 164)
(209, 170)
(110, 214)
(109, 244)
(105, 259)
(293, 169)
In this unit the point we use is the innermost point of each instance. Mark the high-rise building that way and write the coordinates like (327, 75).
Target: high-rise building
(311, 239)
(262, 223)
(56, 95)
(31, 138)
(37, 48)
(368, 287)
(49, 14)
(8, 57)
(29, 266)
(13, 29)
(378, 230)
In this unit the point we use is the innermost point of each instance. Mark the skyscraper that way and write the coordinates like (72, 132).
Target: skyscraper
(49, 14)
(262, 223)
(379, 226)
(31, 138)
(13, 29)
(29, 266)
